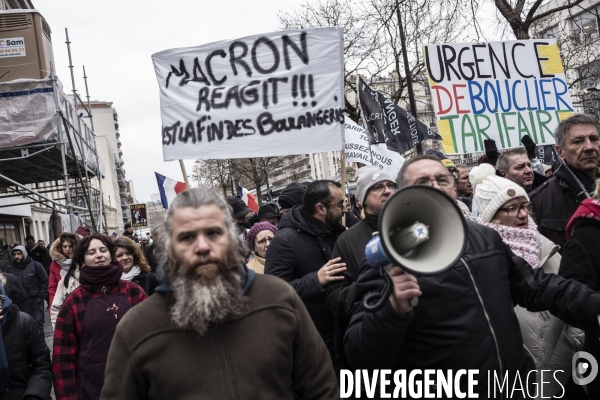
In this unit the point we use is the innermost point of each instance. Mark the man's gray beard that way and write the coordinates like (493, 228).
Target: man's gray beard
(199, 306)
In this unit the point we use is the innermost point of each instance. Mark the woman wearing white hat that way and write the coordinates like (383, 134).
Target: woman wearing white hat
(504, 206)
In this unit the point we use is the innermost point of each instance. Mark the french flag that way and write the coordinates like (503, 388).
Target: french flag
(168, 188)
(248, 198)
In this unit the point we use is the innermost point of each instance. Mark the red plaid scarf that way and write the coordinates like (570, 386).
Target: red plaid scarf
(589, 208)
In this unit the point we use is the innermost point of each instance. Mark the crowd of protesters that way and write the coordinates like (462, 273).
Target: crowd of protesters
(269, 305)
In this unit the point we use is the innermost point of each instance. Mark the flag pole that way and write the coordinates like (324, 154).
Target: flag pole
(185, 177)
(343, 178)
(411, 93)
(363, 121)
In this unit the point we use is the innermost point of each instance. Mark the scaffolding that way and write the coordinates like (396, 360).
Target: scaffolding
(48, 154)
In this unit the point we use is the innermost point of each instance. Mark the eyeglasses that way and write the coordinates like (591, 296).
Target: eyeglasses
(264, 241)
(513, 211)
(380, 187)
(444, 181)
(340, 205)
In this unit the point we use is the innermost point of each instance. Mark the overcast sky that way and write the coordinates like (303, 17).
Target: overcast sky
(114, 39)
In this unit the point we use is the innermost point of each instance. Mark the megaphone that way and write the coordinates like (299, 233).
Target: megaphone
(421, 230)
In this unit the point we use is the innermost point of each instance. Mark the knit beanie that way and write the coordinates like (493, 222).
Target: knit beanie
(367, 177)
(291, 196)
(492, 191)
(256, 228)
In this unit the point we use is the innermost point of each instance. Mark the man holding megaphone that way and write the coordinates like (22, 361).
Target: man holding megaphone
(466, 281)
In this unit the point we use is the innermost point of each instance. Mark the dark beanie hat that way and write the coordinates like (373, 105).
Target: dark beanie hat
(256, 229)
(269, 210)
(291, 196)
(240, 209)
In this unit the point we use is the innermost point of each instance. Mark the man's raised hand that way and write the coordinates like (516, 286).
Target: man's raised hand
(328, 272)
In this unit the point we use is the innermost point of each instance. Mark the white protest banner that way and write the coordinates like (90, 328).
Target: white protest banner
(497, 90)
(357, 150)
(274, 94)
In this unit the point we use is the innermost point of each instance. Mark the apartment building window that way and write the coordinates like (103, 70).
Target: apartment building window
(432, 121)
(586, 23)
(427, 90)
(590, 78)
(9, 232)
(550, 33)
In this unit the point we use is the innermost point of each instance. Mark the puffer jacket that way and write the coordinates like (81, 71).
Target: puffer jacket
(555, 201)
(449, 328)
(549, 341)
(300, 248)
(31, 274)
(28, 357)
(57, 272)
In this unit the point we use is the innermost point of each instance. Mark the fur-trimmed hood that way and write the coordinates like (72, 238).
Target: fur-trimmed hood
(57, 255)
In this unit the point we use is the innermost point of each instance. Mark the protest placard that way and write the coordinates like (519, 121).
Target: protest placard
(138, 215)
(356, 144)
(497, 90)
(274, 94)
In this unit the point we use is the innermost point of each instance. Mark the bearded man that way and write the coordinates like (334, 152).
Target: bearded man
(213, 329)
(300, 254)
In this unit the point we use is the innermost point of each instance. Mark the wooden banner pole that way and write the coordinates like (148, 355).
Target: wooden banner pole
(343, 179)
(185, 177)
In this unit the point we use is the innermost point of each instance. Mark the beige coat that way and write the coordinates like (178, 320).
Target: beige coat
(550, 341)
(257, 264)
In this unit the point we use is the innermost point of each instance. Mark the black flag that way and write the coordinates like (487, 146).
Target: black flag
(388, 123)
(546, 154)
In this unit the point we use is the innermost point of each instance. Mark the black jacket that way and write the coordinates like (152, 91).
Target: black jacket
(32, 276)
(15, 291)
(351, 248)
(150, 257)
(41, 255)
(147, 281)
(581, 262)
(555, 201)
(351, 219)
(302, 246)
(448, 329)
(28, 357)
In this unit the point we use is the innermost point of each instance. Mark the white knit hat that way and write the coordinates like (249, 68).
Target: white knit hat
(492, 191)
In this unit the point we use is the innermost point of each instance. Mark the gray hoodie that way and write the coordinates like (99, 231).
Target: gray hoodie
(23, 250)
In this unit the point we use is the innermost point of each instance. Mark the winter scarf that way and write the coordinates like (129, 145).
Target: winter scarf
(4, 370)
(133, 272)
(526, 243)
(103, 275)
(589, 208)
(64, 266)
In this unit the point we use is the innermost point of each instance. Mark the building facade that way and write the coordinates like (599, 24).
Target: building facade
(114, 183)
(577, 32)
